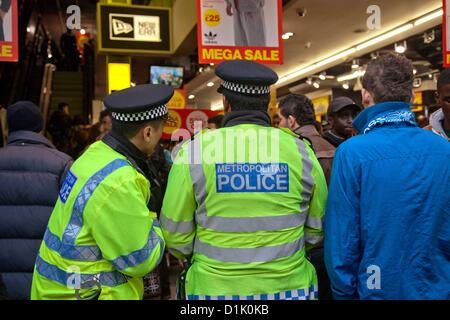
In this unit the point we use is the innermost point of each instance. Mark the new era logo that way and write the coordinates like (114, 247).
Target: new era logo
(120, 27)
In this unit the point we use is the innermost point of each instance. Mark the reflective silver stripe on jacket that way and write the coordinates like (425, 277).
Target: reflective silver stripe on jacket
(307, 179)
(53, 273)
(315, 223)
(176, 226)
(254, 224)
(249, 255)
(185, 250)
(313, 239)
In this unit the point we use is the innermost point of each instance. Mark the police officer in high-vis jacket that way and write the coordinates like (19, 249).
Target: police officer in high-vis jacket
(245, 203)
(102, 237)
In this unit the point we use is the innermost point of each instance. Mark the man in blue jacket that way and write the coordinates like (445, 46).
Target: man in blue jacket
(387, 228)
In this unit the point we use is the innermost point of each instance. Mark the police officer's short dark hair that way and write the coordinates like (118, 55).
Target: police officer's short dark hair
(444, 79)
(130, 129)
(390, 78)
(241, 102)
(300, 107)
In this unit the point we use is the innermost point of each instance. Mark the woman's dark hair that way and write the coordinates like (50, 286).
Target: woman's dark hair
(300, 107)
(390, 78)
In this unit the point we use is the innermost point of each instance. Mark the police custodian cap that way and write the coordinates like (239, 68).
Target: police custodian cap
(246, 77)
(139, 104)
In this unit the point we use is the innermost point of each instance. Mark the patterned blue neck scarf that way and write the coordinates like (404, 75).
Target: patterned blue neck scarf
(385, 114)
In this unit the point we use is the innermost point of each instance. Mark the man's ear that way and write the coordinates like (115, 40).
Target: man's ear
(292, 122)
(146, 133)
(226, 105)
(331, 121)
(437, 97)
(367, 99)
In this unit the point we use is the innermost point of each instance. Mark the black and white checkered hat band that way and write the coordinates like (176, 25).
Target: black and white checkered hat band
(143, 116)
(246, 89)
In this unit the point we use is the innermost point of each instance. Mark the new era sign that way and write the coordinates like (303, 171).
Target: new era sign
(134, 29)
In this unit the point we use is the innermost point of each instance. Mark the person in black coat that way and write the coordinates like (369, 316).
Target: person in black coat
(31, 174)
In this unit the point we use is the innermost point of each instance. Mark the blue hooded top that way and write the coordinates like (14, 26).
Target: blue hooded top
(387, 224)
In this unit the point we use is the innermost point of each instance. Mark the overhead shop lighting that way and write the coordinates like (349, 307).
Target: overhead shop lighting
(401, 47)
(385, 36)
(370, 42)
(437, 14)
(352, 76)
(217, 105)
(355, 64)
(316, 84)
(287, 35)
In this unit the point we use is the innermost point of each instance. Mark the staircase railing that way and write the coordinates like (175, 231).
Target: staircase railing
(28, 80)
(46, 91)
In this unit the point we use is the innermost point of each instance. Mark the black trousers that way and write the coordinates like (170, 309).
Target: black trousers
(317, 259)
(3, 295)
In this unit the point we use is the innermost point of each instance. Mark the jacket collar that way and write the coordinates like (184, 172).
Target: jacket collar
(384, 114)
(307, 131)
(236, 118)
(28, 137)
(123, 146)
(333, 138)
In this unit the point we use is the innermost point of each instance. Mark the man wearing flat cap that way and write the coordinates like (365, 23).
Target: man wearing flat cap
(245, 202)
(103, 237)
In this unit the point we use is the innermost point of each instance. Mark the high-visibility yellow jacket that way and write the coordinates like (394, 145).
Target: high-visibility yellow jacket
(100, 230)
(244, 203)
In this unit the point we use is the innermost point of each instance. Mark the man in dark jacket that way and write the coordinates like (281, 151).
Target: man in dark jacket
(341, 114)
(31, 173)
(297, 114)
